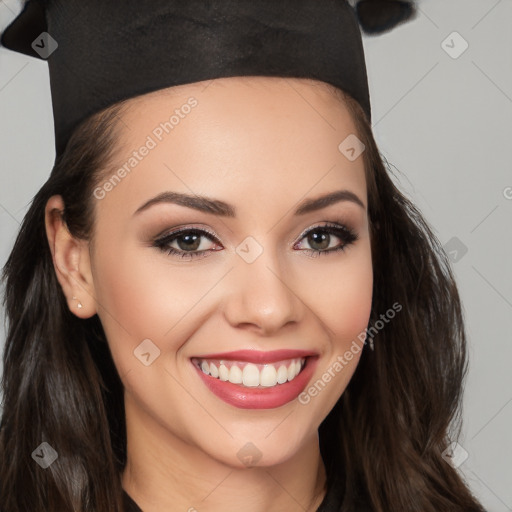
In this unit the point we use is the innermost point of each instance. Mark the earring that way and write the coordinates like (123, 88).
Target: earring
(79, 305)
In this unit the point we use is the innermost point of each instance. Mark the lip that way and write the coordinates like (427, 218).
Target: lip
(259, 357)
(259, 398)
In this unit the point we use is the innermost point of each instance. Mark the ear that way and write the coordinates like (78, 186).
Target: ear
(71, 261)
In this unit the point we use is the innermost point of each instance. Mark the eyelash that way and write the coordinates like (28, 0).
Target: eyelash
(347, 235)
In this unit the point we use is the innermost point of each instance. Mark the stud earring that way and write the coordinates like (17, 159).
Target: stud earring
(79, 305)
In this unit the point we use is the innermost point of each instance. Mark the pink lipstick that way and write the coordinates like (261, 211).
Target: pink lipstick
(250, 379)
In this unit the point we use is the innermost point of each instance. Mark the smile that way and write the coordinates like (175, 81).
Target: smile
(250, 374)
(250, 379)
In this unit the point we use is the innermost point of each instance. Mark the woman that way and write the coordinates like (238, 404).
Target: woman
(175, 340)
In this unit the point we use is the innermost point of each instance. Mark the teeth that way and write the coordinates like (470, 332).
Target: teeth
(253, 375)
(282, 375)
(268, 376)
(250, 376)
(214, 372)
(235, 375)
(291, 372)
(223, 372)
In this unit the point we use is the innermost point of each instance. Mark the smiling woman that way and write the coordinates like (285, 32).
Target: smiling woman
(163, 336)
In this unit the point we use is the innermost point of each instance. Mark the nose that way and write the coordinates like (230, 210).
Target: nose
(262, 296)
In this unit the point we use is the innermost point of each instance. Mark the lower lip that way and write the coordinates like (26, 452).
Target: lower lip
(260, 398)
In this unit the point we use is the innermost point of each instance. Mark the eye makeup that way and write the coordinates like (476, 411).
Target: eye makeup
(191, 235)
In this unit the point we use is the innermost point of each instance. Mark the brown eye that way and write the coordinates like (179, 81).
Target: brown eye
(188, 242)
(320, 237)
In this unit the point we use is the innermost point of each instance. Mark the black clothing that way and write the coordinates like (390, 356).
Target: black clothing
(331, 503)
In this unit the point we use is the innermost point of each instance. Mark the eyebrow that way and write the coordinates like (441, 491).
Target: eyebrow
(222, 209)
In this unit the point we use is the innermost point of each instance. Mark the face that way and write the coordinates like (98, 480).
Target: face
(260, 272)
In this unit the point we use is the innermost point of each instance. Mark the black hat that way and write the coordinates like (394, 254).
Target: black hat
(101, 52)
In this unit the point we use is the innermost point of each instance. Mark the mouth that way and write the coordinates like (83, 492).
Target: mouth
(251, 375)
(256, 380)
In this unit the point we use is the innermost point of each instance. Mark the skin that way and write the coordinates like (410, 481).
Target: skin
(263, 145)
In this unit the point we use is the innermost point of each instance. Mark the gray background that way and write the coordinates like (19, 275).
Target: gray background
(444, 124)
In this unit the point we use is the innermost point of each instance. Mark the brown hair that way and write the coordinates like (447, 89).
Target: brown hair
(382, 442)
(402, 408)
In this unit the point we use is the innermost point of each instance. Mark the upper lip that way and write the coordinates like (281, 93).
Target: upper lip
(257, 356)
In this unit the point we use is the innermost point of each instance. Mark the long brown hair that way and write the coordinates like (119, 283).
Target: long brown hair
(402, 408)
(383, 441)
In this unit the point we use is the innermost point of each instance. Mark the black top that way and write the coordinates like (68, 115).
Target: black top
(332, 502)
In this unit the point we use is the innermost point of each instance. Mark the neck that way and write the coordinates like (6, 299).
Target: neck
(163, 472)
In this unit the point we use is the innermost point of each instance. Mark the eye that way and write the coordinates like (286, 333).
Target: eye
(320, 238)
(187, 242)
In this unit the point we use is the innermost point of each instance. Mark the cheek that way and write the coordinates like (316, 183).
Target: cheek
(343, 305)
(141, 298)
(341, 296)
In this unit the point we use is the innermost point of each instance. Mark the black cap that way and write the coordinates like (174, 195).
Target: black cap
(101, 52)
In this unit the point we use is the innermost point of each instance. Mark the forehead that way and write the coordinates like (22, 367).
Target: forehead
(253, 92)
(233, 136)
